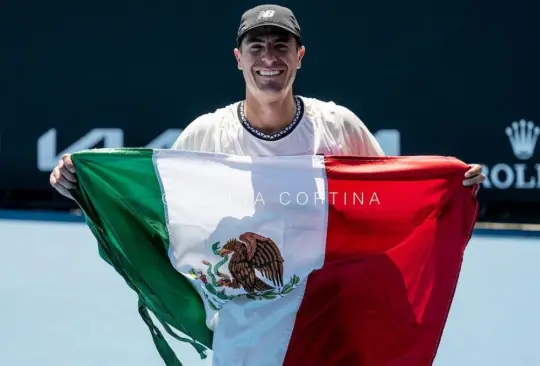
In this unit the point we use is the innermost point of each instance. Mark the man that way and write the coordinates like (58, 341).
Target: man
(271, 120)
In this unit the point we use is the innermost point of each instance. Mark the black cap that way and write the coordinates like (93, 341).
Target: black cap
(264, 15)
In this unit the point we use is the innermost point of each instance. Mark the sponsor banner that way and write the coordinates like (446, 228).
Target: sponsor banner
(32, 161)
(48, 154)
(521, 170)
(513, 169)
(509, 154)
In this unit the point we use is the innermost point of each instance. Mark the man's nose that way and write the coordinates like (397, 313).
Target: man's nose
(269, 56)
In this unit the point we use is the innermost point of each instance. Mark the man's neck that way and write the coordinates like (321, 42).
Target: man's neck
(270, 116)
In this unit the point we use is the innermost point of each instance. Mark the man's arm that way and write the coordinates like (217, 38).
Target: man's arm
(360, 141)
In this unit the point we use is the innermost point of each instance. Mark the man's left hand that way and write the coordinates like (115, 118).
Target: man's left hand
(474, 176)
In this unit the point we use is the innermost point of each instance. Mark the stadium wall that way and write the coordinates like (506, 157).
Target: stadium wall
(442, 79)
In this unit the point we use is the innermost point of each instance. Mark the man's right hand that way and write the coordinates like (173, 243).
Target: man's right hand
(63, 176)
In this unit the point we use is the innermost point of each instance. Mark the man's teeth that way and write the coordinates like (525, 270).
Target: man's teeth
(269, 73)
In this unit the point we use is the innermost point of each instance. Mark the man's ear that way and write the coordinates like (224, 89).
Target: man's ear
(301, 53)
(237, 56)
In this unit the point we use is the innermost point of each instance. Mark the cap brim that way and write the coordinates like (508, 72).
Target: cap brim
(267, 24)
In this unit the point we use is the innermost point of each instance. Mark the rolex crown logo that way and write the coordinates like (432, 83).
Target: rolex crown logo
(523, 136)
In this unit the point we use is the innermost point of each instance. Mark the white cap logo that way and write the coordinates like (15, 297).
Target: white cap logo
(266, 14)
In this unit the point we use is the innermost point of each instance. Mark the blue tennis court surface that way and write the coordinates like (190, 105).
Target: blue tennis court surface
(63, 306)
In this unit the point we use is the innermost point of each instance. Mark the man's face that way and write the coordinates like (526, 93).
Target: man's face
(269, 58)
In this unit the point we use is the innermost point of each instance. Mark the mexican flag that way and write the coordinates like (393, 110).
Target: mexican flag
(297, 260)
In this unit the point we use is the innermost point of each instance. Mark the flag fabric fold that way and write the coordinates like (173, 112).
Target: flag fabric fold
(297, 260)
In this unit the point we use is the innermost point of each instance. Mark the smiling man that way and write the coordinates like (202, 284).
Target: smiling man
(271, 120)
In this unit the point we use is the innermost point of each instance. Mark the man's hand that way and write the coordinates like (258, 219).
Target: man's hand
(474, 176)
(63, 176)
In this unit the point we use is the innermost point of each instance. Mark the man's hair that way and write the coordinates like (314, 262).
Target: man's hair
(290, 35)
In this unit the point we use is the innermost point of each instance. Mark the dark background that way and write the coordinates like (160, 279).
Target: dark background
(449, 75)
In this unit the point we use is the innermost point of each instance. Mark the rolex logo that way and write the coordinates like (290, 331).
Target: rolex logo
(523, 136)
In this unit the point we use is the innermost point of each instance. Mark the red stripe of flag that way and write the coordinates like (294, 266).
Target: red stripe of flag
(392, 263)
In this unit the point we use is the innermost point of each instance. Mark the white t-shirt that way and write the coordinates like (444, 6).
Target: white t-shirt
(318, 128)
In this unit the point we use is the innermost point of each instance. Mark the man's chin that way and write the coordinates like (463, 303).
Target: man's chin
(272, 88)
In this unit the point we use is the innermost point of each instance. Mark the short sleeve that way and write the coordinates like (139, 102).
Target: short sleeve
(197, 136)
(358, 139)
(184, 141)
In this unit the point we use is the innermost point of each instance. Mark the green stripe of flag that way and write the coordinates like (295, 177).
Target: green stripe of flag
(135, 241)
